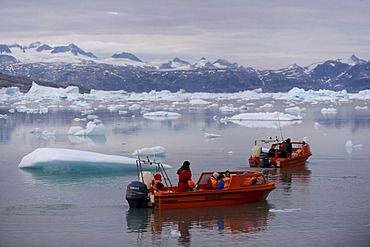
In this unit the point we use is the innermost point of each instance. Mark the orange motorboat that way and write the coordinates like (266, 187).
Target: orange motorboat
(278, 156)
(244, 187)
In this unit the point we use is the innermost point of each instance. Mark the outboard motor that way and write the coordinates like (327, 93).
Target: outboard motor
(264, 161)
(137, 195)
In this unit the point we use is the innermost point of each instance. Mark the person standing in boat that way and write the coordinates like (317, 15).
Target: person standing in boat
(184, 176)
(288, 148)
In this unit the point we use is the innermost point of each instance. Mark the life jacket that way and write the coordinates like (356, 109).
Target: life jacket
(191, 182)
(226, 182)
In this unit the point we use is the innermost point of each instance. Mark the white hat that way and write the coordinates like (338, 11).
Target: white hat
(215, 175)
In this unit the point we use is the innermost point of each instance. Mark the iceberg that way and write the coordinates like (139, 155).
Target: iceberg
(272, 120)
(265, 116)
(93, 128)
(61, 161)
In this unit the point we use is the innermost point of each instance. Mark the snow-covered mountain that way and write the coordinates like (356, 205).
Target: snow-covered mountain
(70, 64)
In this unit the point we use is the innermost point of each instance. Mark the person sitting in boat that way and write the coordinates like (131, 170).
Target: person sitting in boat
(212, 181)
(184, 176)
(224, 181)
(158, 185)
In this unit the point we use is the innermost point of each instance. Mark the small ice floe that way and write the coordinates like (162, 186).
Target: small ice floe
(230, 153)
(228, 109)
(79, 119)
(162, 115)
(87, 112)
(92, 117)
(4, 116)
(361, 108)
(316, 125)
(92, 128)
(134, 107)
(350, 146)
(45, 134)
(198, 102)
(265, 107)
(210, 136)
(329, 111)
(295, 110)
(91, 141)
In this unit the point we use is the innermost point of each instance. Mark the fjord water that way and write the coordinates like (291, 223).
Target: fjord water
(325, 203)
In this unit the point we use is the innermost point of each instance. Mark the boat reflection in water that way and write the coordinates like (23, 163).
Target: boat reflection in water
(178, 223)
(301, 173)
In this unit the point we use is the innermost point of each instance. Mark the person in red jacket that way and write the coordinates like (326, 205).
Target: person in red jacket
(184, 176)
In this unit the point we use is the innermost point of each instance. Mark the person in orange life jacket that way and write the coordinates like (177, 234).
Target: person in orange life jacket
(224, 181)
(212, 181)
(184, 176)
(158, 185)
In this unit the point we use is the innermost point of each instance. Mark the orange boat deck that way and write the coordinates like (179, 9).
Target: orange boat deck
(240, 191)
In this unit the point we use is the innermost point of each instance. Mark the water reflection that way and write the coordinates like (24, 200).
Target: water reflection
(250, 218)
(285, 177)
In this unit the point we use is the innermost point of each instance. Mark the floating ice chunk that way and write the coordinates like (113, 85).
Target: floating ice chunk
(156, 153)
(91, 141)
(87, 112)
(294, 110)
(359, 108)
(198, 102)
(54, 160)
(134, 107)
(162, 115)
(156, 150)
(91, 117)
(74, 129)
(329, 111)
(50, 92)
(79, 119)
(228, 109)
(349, 143)
(210, 136)
(92, 128)
(316, 125)
(265, 107)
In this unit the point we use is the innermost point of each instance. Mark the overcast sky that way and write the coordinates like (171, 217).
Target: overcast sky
(260, 34)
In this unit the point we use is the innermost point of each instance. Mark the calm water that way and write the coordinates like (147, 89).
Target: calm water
(325, 203)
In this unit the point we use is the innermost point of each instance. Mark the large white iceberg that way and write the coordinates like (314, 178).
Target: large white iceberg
(265, 116)
(55, 160)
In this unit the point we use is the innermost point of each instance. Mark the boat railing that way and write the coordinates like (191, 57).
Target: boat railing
(160, 169)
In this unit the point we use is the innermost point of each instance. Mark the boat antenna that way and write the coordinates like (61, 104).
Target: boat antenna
(281, 132)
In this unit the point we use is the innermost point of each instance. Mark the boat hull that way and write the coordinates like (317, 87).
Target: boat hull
(281, 162)
(207, 198)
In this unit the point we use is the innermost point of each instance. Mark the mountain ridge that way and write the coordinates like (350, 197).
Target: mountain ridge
(70, 64)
